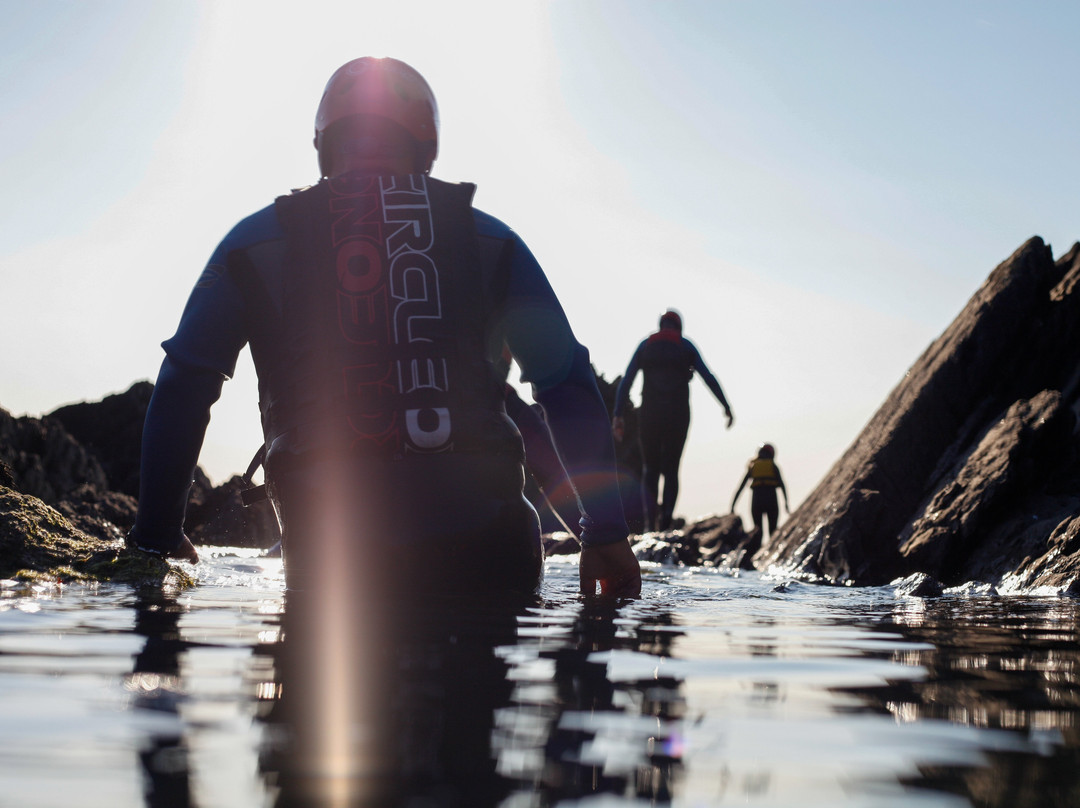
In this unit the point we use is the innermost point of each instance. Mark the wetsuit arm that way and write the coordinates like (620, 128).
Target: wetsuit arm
(542, 461)
(780, 485)
(173, 433)
(710, 381)
(734, 499)
(535, 328)
(199, 357)
(622, 393)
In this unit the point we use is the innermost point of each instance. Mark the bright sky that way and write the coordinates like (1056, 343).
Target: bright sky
(817, 186)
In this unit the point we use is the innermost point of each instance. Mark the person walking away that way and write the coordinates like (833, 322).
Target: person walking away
(667, 361)
(375, 303)
(764, 477)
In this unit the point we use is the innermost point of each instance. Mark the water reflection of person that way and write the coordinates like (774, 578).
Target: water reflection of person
(154, 683)
(644, 713)
(414, 724)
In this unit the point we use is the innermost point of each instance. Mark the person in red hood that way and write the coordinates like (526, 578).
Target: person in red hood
(667, 361)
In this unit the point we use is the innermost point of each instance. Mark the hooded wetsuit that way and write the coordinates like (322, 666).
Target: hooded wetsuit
(668, 361)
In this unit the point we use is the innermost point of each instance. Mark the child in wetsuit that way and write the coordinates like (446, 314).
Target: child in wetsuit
(764, 477)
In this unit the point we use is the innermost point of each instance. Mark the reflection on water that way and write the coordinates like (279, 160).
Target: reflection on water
(710, 690)
(995, 665)
(155, 685)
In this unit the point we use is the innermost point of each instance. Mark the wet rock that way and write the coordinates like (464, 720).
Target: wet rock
(969, 468)
(918, 585)
(669, 547)
(106, 515)
(84, 460)
(722, 541)
(38, 543)
(560, 544)
(975, 519)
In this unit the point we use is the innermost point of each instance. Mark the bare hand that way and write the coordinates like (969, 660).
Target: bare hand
(185, 552)
(614, 567)
(618, 427)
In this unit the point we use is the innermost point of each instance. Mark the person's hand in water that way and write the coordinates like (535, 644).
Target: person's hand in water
(614, 567)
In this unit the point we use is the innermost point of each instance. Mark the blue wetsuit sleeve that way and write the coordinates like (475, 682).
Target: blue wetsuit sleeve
(213, 328)
(622, 394)
(199, 357)
(706, 375)
(173, 433)
(539, 336)
(536, 329)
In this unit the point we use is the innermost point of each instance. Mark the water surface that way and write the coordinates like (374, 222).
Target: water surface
(713, 689)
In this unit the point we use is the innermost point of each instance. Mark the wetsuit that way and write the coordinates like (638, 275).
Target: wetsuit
(406, 488)
(764, 477)
(550, 488)
(668, 361)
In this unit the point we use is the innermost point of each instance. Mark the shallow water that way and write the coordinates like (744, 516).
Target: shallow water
(713, 689)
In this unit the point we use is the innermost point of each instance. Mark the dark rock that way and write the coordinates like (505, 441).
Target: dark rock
(111, 430)
(918, 585)
(106, 515)
(562, 545)
(722, 541)
(38, 543)
(218, 516)
(970, 465)
(83, 459)
(669, 547)
(44, 460)
(1014, 458)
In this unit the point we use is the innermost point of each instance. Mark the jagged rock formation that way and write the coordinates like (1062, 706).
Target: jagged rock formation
(969, 470)
(111, 431)
(83, 461)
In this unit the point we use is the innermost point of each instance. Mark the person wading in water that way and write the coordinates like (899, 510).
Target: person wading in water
(376, 304)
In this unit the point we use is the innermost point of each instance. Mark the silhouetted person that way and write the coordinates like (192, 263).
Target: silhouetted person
(764, 477)
(667, 361)
(376, 304)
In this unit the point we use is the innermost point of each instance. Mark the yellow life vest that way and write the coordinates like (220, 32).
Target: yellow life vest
(763, 472)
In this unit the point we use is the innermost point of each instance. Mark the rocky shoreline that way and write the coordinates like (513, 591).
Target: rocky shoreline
(968, 474)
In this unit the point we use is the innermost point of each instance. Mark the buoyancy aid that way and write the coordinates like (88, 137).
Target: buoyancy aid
(763, 472)
(380, 347)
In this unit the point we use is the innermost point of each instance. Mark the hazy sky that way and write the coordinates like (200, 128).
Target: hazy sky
(817, 186)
